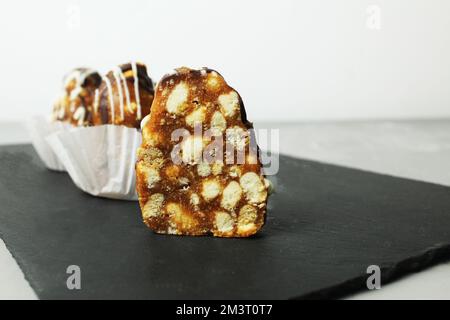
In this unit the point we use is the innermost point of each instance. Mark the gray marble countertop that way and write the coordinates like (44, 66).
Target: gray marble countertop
(417, 150)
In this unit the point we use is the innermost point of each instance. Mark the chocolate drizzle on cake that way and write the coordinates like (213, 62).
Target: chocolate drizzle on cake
(125, 96)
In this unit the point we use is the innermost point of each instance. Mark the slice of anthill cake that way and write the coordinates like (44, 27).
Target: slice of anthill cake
(198, 169)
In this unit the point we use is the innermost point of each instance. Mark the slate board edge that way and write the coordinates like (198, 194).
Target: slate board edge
(389, 273)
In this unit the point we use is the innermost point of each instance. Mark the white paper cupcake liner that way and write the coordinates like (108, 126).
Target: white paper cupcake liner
(100, 160)
(39, 128)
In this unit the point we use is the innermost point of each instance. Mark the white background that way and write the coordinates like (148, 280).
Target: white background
(290, 60)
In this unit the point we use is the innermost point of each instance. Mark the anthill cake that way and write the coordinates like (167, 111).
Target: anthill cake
(77, 99)
(198, 169)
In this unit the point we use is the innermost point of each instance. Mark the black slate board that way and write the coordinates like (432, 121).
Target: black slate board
(326, 224)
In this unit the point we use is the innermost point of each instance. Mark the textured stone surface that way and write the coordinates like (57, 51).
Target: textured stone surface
(327, 224)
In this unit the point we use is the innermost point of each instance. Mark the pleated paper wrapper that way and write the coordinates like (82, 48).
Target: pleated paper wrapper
(100, 159)
(39, 128)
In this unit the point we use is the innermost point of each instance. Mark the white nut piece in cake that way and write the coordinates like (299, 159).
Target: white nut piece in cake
(179, 219)
(231, 195)
(218, 123)
(234, 171)
(150, 154)
(150, 167)
(229, 103)
(217, 167)
(195, 199)
(213, 81)
(203, 169)
(151, 175)
(196, 117)
(246, 218)
(177, 99)
(151, 138)
(153, 206)
(224, 222)
(210, 189)
(237, 137)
